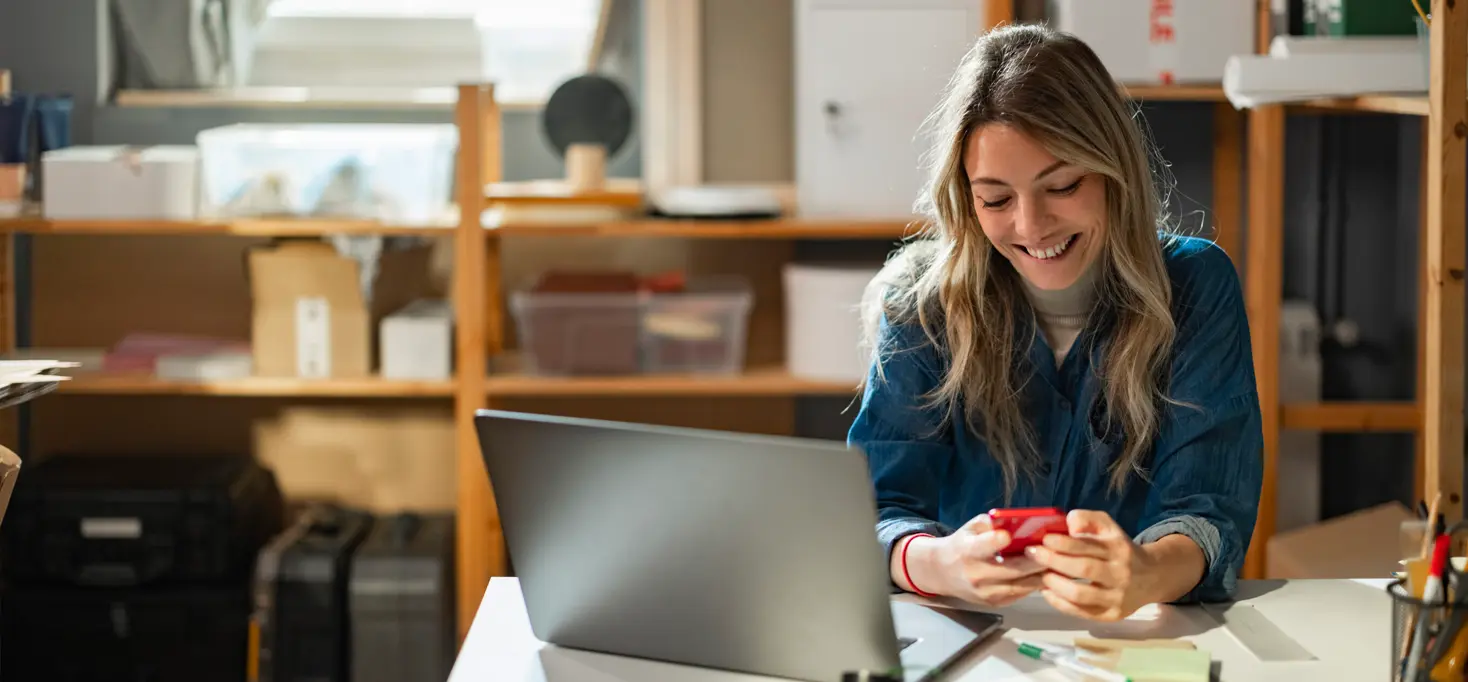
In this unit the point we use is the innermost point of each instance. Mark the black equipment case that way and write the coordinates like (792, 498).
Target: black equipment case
(118, 520)
(300, 605)
(402, 600)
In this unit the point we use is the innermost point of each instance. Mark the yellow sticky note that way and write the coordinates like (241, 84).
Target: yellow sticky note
(1164, 665)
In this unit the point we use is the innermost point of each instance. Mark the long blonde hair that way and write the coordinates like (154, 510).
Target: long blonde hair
(968, 299)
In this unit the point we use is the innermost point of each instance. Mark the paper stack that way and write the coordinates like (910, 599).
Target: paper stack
(22, 380)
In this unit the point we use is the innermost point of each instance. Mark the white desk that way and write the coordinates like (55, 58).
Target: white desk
(1344, 624)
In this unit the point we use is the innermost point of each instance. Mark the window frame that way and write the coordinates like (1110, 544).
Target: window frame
(411, 97)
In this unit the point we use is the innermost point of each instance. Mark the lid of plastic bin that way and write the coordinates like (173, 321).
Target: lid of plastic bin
(588, 109)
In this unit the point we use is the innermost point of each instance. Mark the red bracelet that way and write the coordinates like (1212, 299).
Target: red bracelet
(908, 576)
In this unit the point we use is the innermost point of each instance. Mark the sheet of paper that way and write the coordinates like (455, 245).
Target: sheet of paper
(1164, 665)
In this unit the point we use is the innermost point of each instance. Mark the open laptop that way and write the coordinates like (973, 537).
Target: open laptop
(747, 553)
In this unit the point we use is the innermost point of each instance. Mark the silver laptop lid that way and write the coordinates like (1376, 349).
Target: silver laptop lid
(734, 551)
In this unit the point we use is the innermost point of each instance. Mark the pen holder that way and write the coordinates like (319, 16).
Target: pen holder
(1437, 624)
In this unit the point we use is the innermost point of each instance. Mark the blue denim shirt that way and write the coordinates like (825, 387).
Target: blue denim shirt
(1205, 468)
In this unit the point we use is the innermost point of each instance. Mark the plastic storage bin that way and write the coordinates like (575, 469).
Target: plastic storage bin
(700, 330)
(393, 173)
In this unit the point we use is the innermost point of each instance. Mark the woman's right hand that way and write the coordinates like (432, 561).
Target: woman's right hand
(966, 565)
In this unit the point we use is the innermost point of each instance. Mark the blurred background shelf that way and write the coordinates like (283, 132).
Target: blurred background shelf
(282, 387)
(284, 227)
(1409, 105)
(778, 228)
(1176, 93)
(767, 381)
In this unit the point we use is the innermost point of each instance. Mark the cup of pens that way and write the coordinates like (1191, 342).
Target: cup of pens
(1429, 611)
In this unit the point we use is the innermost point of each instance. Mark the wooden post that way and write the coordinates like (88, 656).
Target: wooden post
(1263, 285)
(477, 527)
(1447, 130)
(998, 13)
(1419, 434)
(1228, 152)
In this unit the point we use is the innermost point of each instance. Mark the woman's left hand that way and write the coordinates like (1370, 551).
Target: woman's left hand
(1115, 570)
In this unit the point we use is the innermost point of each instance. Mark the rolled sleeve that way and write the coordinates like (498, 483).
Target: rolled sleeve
(1203, 533)
(906, 446)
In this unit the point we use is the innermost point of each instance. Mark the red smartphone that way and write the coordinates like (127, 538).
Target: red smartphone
(1027, 526)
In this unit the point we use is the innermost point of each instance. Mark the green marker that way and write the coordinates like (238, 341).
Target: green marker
(1040, 652)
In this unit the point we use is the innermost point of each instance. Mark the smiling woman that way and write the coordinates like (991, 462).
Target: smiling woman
(1052, 345)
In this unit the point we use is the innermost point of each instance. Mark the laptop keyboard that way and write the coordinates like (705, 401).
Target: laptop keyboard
(904, 642)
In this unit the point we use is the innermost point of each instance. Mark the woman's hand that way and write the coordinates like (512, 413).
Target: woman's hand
(966, 565)
(1119, 575)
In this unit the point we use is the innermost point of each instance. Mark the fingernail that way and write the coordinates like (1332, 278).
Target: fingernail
(1031, 551)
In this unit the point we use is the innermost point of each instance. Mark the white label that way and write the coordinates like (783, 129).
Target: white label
(313, 338)
(112, 528)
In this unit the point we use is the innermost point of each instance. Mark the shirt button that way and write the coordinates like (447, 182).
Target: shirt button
(1065, 404)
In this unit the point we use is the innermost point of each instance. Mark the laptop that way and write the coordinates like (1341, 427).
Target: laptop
(739, 552)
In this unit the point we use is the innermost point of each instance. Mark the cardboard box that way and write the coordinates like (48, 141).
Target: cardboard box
(384, 459)
(9, 471)
(417, 341)
(309, 317)
(1160, 41)
(1362, 544)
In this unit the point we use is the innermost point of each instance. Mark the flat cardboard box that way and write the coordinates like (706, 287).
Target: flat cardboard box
(1362, 544)
(309, 317)
(9, 471)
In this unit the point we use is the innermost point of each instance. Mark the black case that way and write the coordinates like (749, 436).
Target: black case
(186, 634)
(402, 596)
(300, 603)
(113, 520)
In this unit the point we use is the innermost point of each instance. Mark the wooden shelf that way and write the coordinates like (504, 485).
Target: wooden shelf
(1175, 93)
(780, 228)
(1352, 417)
(756, 382)
(265, 387)
(247, 228)
(1410, 105)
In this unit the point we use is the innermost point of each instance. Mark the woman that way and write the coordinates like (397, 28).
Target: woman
(1051, 345)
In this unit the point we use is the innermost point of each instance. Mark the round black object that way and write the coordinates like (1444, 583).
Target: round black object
(588, 109)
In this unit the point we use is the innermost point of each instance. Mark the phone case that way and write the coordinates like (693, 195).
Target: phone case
(1028, 526)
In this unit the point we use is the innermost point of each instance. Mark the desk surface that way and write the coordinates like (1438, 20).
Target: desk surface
(1344, 625)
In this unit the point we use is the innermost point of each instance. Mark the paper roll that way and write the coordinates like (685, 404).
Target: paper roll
(822, 322)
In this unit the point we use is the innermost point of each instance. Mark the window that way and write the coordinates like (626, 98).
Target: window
(407, 46)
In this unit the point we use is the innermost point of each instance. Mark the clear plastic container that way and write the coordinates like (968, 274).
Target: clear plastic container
(571, 334)
(703, 330)
(395, 173)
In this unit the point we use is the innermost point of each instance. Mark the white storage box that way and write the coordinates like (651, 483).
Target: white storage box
(417, 341)
(121, 183)
(1145, 41)
(392, 173)
(823, 321)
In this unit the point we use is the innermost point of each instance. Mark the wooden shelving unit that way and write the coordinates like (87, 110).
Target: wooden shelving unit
(256, 387)
(757, 381)
(1436, 416)
(722, 229)
(240, 228)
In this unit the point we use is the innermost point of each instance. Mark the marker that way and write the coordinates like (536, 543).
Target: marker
(1071, 663)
